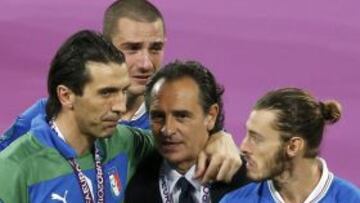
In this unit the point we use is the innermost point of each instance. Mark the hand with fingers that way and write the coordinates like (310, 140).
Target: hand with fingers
(219, 160)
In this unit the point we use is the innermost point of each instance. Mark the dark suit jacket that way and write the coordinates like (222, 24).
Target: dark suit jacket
(144, 185)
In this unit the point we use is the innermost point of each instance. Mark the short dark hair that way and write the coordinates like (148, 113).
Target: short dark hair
(138, 10)
(299, 114)
(68, 65)
(210, 92)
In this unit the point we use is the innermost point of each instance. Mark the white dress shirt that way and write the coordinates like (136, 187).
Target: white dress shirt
(167, 183)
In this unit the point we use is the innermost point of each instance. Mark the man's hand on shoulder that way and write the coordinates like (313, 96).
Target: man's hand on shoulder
(219, 160)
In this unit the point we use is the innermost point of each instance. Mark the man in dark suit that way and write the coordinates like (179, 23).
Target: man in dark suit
(183, 100)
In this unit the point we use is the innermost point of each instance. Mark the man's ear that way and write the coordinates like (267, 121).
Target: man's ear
(66, 96)
(295, 146)
(211, 116)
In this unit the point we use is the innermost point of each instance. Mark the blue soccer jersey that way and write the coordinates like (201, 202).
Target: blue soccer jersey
(330, 189)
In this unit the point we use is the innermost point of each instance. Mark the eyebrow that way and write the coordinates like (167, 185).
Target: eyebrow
(182, 112)
(157, 45)
(256, 134)
(132, 45)
(155, 112)
(113, 89)
(108, 89)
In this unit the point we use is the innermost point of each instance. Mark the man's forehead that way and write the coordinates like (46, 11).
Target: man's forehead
(180, 91)
(261, 117)
(103, 73)
(137, 31)
(262, 121)
(179, 84)
(95, 67)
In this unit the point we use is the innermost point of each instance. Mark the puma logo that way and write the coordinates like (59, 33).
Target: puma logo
(57, 197)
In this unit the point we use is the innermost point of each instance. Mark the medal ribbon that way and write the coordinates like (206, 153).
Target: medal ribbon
(82, 181)
(82, 178)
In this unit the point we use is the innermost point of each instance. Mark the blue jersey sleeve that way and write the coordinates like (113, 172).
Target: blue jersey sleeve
(22, 123)
(142, 122)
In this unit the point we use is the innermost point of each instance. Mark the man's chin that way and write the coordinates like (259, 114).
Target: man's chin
(171, 157)
(107, 133)
(256, 177)
(136, 90)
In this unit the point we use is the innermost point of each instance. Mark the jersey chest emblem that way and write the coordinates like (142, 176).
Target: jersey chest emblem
(115, 182)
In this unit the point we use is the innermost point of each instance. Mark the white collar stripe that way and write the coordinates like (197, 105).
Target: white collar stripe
(274, 193)
(324, 189)
(141, 111)
(56, 128)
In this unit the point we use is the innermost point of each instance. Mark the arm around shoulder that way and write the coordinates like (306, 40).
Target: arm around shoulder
(138, 143)
(22, 123)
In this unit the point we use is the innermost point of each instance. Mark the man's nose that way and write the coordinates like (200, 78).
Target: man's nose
(169, 127)
(144, 60)
(244, 145)
(119, 103)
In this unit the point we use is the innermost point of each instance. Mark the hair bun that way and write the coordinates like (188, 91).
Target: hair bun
(331, 111)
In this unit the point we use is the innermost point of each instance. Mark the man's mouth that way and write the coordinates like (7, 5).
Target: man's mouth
(141, 77)
(111, 122)
(170, 146)
(249, 163)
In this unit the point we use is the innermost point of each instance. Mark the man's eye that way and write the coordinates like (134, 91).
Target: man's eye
(130, 52)
(254, 139)
(131, 48)
(156, 117)
(156, 49)
(182, 116)
(105, 94)
(154, 52)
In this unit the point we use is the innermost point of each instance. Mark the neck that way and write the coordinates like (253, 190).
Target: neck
(72, 134)
(132, 105)
(297, 184)
(182, 168)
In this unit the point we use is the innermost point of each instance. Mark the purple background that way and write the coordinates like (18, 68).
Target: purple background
(251, 46)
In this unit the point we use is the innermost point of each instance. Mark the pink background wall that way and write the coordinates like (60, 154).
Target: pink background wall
(251, 46)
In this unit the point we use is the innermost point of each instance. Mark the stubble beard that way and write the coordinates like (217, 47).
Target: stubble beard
(276, 166)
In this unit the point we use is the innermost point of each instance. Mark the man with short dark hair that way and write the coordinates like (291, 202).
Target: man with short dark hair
(281, 147)
(185, 106)
(77, 152)
(137, 28)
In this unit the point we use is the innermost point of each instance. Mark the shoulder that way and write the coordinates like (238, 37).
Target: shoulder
(143, 186)
(148, 168)
(219, 189)
(342, 189)
(245, 193)
(23, 149)
(20, 158)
